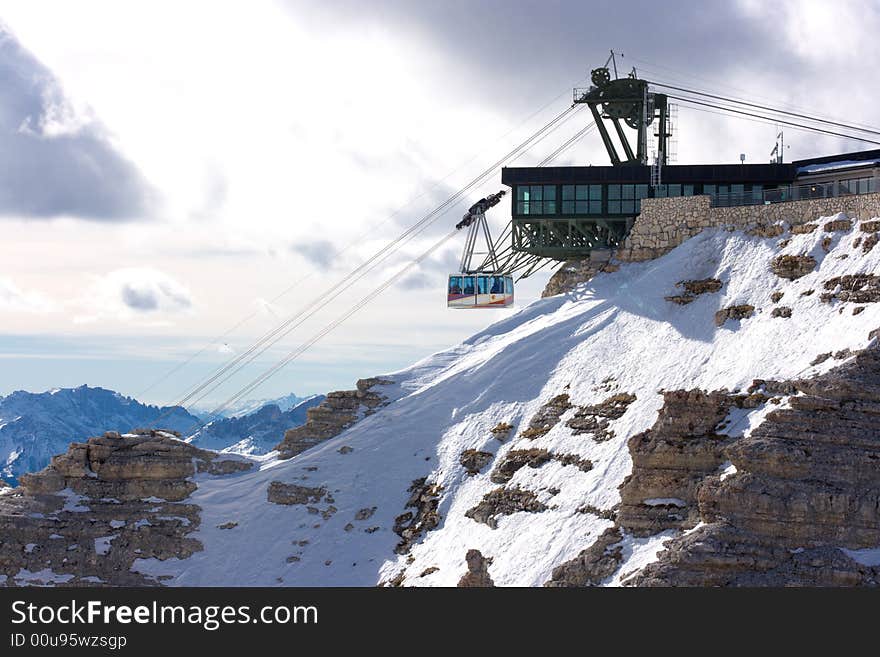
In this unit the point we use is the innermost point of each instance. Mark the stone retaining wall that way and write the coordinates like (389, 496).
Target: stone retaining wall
(664, 223)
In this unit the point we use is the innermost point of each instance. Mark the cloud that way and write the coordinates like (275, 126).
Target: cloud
(134, 293)
(56, 160)
(317, 252)
(13, 299)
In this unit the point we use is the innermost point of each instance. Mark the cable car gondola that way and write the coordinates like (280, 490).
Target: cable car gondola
(479, 291)
(486, 287)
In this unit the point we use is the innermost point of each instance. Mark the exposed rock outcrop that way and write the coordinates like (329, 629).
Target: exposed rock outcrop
(424, 499)
(477, 574)
(781, 311)
(806, 484)
(501, 431)
(592, 566)
(793, 266)
(694, 288)
(473, 460)
(534, 458)
(291, 494)
(547, 416)
(837, 225)
(337, 412)
(671, 459)
(574, 272)
(147, 463)
(740, 312)
(516, 459)
(595, 419)
(856, 288)
(503, 502)
(93, 511)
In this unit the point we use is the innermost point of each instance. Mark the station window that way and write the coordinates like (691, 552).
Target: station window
(857, 186)
(626, 199)
(662, 191)
(581, 199)
(687, 190)
(536, 199)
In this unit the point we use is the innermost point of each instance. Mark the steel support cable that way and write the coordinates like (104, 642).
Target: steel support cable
(426, 220)
(273, 336)
(274, 369)
(568, 144)
(257, 350)
(775, 120)
(767, 108)
(713, 85)
(350, 245)
(326, 330)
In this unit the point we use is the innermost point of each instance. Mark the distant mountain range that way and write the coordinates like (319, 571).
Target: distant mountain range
(257, 432)
(248, 406)
(36, 426)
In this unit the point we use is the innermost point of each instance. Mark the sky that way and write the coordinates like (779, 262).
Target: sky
(176, 179)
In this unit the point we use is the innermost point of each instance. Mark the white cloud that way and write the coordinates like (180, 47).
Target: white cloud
(135, 293)
(14, 299)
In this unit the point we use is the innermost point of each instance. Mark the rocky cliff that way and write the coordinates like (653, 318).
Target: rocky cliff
(799, 502)
(86, 518)
(338, 411)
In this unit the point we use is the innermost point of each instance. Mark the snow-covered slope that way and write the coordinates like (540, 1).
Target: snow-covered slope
(253, 433)
(615, 334)
(36, 426)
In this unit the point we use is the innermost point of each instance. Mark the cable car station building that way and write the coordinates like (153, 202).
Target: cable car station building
(566, 212)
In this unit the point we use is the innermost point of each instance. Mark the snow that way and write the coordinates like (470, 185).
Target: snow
(30, 547)
(614, 334)
(727, 469)
(836, 166)
(116, 524)
(866, 557)
(45, 576)
(72, 501)
(102, 543)
(638, 553)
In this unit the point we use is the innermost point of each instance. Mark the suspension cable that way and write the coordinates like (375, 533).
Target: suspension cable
(767, 108)
(775, 120)
(357, 241)
(383, 254)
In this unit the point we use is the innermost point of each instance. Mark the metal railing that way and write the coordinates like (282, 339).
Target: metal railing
(785, 193)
